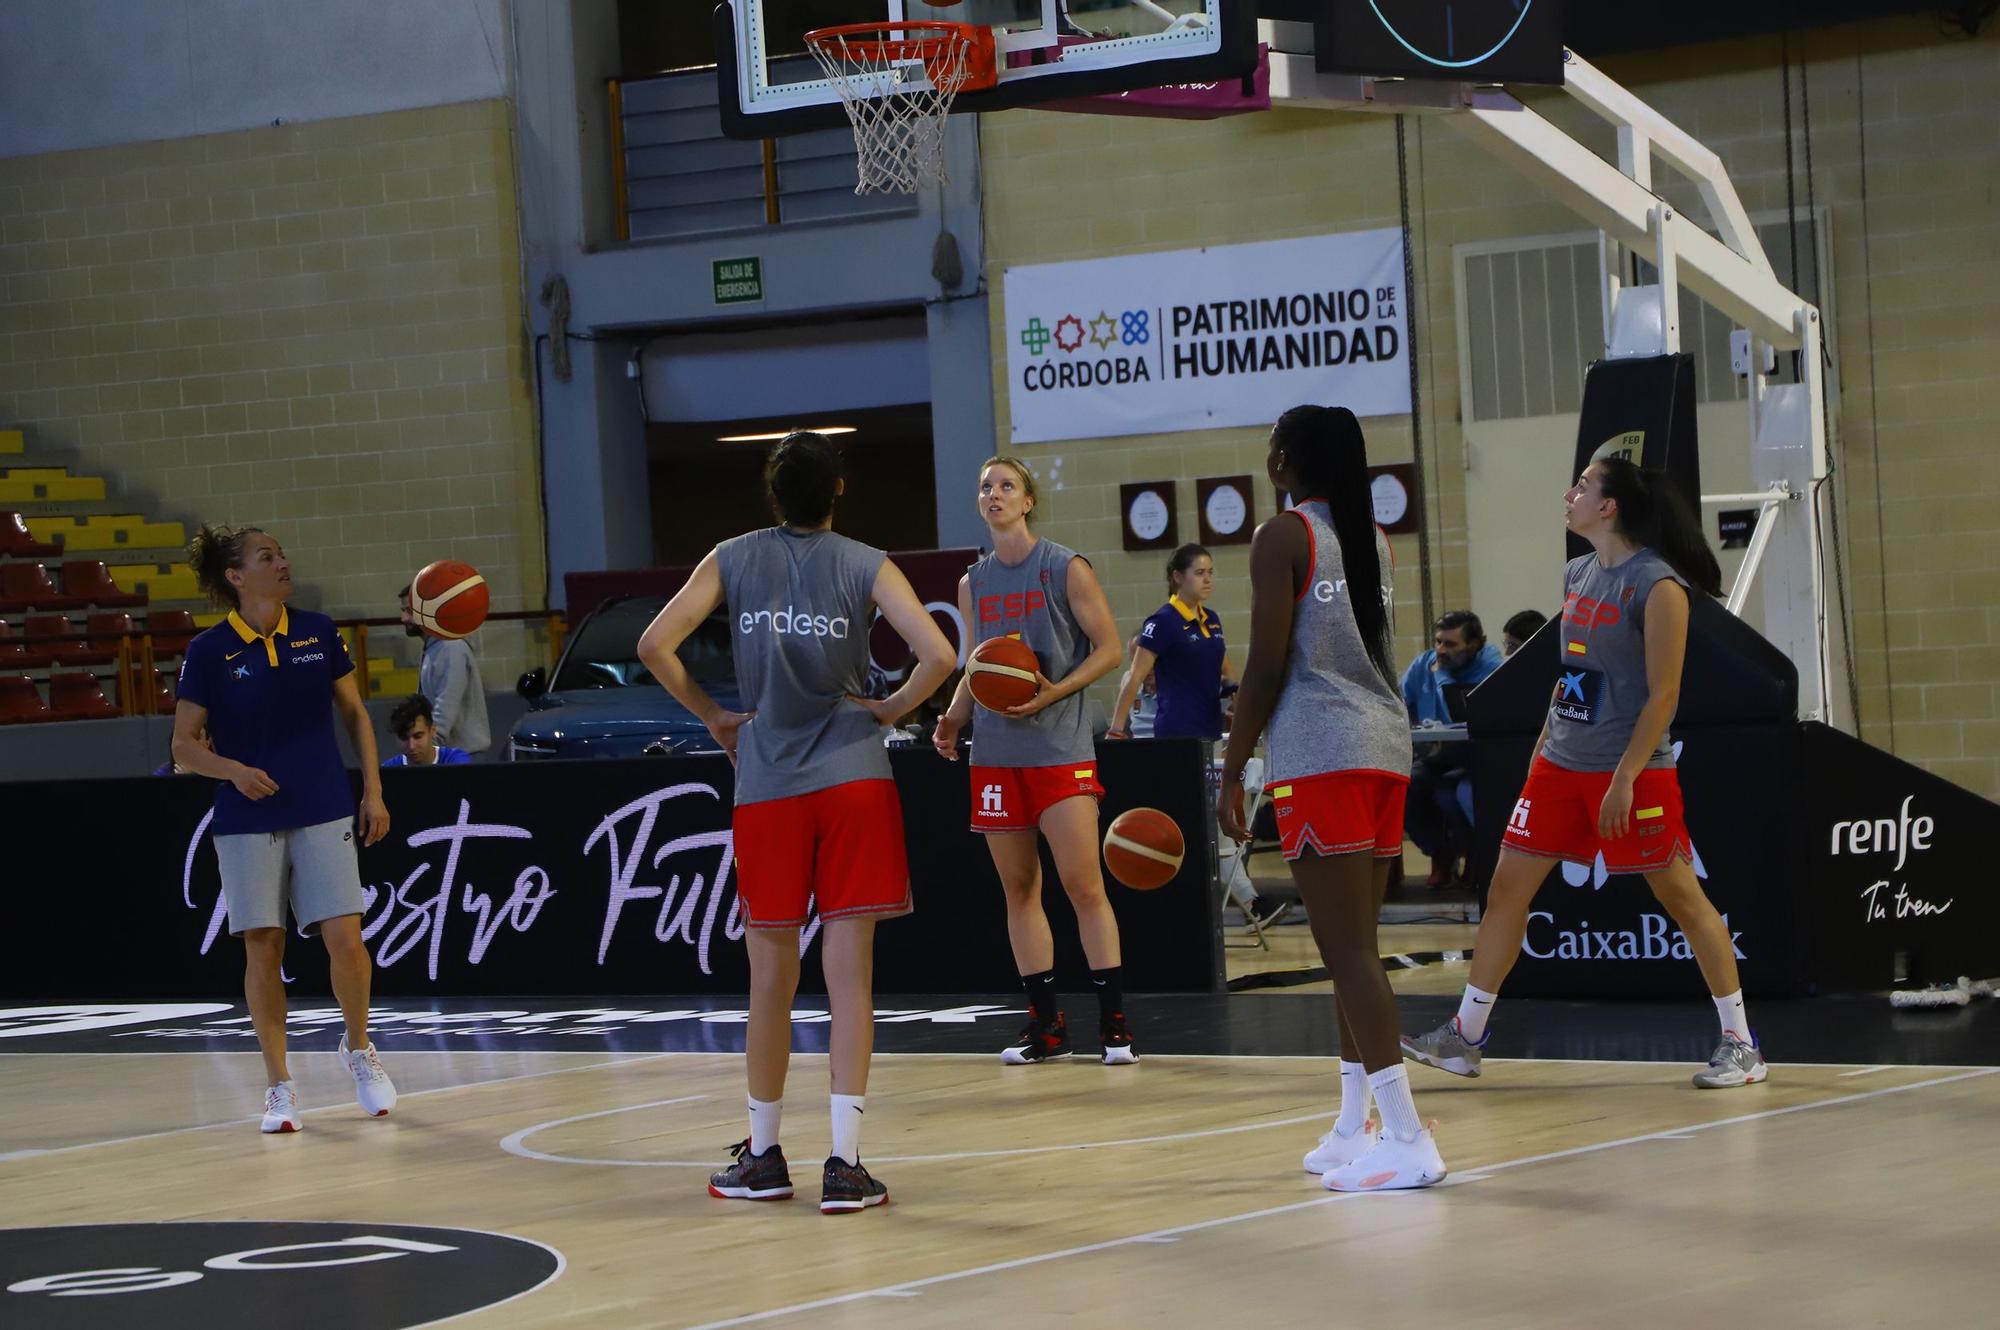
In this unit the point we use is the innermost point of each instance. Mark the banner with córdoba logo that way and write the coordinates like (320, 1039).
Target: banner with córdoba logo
(1204, 338)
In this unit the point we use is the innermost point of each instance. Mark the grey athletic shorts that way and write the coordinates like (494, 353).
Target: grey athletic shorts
(313, 869)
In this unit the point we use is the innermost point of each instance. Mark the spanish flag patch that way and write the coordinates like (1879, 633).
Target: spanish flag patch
(1086, 773)
(1282, 792)
(1577, 649)
(1644, 813)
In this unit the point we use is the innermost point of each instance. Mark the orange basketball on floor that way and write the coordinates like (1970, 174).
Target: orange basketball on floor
(1002, 671)
(449, 598)
(1143, 848)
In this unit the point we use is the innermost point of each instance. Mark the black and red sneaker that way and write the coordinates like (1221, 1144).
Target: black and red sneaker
(1117, 1037)
(1039, 1042)
(761, 1177)
(845, 1188)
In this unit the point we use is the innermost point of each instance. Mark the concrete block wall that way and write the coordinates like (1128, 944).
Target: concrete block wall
(1906, 151)
(315, 328)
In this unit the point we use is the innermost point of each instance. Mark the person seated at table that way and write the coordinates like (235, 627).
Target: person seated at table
(1434, 689)
(417, 733)
(1514, 634)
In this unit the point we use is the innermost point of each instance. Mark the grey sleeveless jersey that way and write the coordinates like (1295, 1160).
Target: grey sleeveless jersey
(1601, 686)
(800, 607)
(1031, 600)
(1335, 711)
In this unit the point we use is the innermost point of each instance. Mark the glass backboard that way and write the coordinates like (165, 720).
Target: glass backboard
(1048, 49)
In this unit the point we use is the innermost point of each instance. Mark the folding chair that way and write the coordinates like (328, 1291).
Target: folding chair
(1232, 859)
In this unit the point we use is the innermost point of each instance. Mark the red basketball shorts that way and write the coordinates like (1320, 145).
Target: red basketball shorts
(1014, 798)
(1556, 817)
(841, 846)
(1340, 812)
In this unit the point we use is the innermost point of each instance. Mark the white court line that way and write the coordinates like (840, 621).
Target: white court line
(910, 1286)
(637, 1054)
(1867, 1071)
(516, 1143)
(322, 1108)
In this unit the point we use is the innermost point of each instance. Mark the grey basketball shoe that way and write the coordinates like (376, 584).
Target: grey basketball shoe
(1446, 1049)
(1733, 1063)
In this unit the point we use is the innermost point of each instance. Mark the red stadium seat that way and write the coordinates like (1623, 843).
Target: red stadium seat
(163, 692)
(107, 630)
(20, 702)
(171, 630)
(78, 697)
(91, 579)
(26, 586)
(13, 656)
(16, 540)
(54, 640)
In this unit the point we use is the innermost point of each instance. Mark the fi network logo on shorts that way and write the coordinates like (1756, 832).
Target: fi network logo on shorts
(789, 622)
(991, 804)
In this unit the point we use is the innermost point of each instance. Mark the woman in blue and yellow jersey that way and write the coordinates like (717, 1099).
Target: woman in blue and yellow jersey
(1181, 647)
(266, 683)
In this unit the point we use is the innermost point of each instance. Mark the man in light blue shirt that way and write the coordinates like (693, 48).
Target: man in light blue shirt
(1437, 814)
(449, 676)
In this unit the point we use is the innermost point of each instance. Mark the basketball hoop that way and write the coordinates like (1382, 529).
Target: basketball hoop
(897, 114)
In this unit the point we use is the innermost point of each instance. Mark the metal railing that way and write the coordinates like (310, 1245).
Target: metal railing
(137, 655)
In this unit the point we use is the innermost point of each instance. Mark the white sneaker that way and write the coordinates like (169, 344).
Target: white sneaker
(373, 1089)
(1391, 1165)
(1335, 1150)
(281, 1109)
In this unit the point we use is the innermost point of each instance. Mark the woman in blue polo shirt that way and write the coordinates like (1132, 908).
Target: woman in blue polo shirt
(265, 683)
(1182, 649)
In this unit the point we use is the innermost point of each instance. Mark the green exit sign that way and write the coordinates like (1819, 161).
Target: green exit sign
(738, 281)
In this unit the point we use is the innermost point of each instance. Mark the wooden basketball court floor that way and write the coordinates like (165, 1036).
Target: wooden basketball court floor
(1583, 1189)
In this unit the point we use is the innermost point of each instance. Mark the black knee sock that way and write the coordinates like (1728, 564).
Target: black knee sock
(1042, 995)
(1110, 986)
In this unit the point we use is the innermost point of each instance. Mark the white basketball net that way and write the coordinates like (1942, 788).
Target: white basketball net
(897, 91)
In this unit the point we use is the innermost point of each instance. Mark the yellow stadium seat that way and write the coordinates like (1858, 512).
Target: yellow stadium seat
(158, 581)
(391, 683)
(41, 484)
(109, 532)
(12, 441)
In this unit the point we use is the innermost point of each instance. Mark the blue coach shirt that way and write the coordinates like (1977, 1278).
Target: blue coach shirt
(1424, 683)
(447, 756)
(1187, 671)
(270, 706)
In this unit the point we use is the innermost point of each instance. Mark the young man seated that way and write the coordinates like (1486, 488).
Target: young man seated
(417, 734)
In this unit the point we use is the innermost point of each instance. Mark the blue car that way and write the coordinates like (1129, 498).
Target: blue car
(604, 702)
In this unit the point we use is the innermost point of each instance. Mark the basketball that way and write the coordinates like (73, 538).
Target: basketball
(1143, 848)
(449, 598)
(1003, 673)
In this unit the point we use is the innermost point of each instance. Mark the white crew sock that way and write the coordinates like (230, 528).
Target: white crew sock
(1392, 1097)
(1735, 1020)
(1353, 1098)
(847, 1111)
(1473, 1008)
(764, 1124)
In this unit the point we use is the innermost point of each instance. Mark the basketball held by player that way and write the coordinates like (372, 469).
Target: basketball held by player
(817, 819)
(1603, 780)
(1319, 677)
(1034, 766)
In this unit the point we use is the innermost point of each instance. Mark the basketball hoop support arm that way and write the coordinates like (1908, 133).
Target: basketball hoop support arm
(1789, 445)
